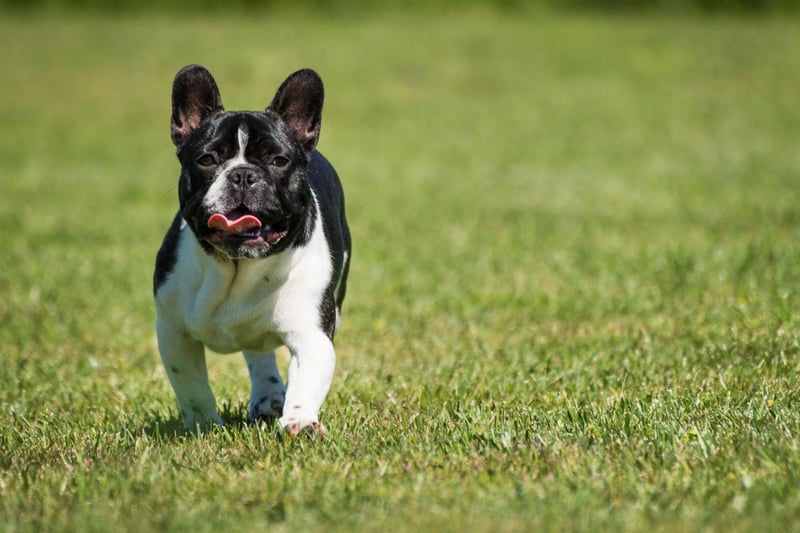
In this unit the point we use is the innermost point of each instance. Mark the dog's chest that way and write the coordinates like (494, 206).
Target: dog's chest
(237, 321)
(231, 310)
(247, 305)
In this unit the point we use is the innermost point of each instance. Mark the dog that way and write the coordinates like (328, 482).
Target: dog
(258, 254)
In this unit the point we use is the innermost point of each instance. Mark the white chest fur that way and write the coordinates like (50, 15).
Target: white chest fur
(247, 304)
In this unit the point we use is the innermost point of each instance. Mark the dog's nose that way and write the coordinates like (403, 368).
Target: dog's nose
(242, 177)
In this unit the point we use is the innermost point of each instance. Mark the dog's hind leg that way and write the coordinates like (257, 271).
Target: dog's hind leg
(267, 390)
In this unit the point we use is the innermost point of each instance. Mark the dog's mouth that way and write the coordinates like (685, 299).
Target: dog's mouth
(240, 226)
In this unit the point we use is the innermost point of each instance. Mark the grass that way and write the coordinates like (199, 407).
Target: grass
(573, 303)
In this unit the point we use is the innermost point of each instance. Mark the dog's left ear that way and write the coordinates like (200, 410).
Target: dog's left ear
(299, 103)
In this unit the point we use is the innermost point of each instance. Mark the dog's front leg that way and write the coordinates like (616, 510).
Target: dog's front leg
(184, 359)
(310, 374)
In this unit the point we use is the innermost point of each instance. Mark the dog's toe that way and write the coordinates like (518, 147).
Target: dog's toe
(308, 428)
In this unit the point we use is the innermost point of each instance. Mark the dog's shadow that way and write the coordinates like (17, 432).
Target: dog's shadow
(169, 426)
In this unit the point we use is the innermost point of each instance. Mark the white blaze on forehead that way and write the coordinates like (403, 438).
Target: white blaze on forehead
(243, 135)
(217, 189)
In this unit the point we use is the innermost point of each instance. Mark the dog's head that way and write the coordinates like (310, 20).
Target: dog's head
(243, 189)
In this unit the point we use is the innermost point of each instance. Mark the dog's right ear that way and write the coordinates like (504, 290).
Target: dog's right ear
(195, 96)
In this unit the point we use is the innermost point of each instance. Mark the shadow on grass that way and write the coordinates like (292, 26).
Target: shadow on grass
(169, 426)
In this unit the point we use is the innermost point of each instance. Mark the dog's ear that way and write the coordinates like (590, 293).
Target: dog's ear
(195, 96)
(299, 103)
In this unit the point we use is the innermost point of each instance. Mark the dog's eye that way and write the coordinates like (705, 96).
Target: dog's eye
(207, 160)
(279, 161)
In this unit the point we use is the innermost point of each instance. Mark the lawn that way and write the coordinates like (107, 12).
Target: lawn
(574, 299)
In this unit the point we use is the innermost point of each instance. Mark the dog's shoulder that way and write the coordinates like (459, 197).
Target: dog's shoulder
(167, 256)
(327, 187)
(324, 181)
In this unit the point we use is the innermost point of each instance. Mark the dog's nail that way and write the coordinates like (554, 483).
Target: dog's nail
(313, 429)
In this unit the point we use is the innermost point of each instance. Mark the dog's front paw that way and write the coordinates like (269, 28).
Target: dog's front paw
(298, 420)
(306, 427)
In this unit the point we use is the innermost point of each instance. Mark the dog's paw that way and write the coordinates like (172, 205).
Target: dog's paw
(299, 421)
(307, 427)
(195, 420)
(267, 406)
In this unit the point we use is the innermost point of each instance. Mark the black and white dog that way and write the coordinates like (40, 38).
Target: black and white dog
(258, 254)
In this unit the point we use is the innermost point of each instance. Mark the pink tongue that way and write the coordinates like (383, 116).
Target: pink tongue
(240, 225)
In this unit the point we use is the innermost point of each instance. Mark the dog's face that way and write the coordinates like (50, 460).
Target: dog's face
(243, 189)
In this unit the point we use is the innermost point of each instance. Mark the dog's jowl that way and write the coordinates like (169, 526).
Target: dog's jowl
(258, 253)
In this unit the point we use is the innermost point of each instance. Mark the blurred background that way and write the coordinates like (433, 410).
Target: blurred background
(250, 5)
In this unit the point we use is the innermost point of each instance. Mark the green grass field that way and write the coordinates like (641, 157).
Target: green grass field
(573, 302)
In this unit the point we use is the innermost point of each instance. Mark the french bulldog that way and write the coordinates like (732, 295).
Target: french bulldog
(258, 254)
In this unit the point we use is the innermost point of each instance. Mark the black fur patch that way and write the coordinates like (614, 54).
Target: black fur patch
(167, 254)
(328, 189)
